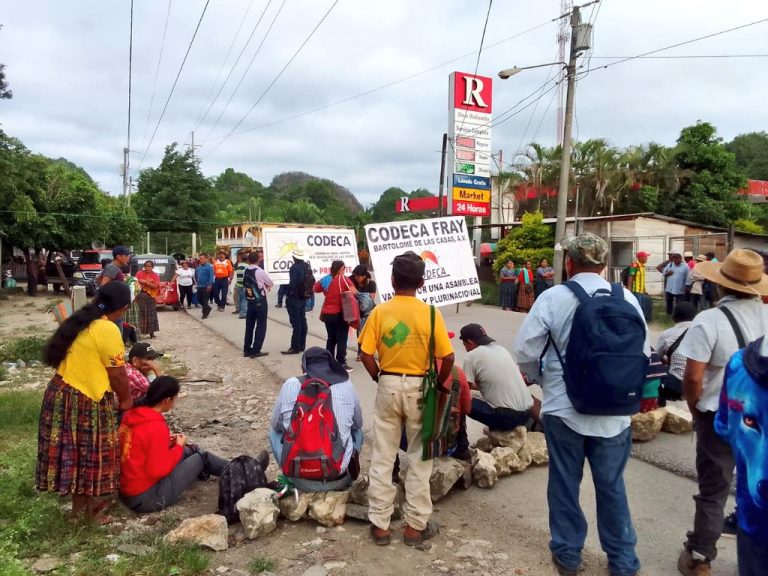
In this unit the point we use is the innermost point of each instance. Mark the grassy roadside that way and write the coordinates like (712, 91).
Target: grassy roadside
(35, 524)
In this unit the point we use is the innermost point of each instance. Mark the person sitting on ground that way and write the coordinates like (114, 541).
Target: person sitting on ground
(666, 346)
(490, 368)
(155, 465)
(141, 364)
(319, 363)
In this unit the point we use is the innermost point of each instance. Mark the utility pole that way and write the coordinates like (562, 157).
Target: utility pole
(192, 145)
(441, 195)
(579, 42)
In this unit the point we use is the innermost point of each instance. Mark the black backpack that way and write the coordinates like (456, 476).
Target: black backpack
(251, 286)
(309, 282)
(242, 475)
(605, 365)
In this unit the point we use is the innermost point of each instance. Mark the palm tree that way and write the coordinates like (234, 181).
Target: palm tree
(540, 166)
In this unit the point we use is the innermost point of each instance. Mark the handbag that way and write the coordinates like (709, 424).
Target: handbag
(436, 403)
(349, 306)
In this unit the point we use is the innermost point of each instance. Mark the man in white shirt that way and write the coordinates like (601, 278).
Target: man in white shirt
(708, 345)
(675, 273)
(490, 368)
(572, 437)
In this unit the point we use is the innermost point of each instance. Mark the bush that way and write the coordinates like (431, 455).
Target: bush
(533, 241)
(489, 293)
(27, 349)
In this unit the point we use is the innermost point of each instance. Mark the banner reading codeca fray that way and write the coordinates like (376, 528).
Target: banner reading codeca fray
(450, 275)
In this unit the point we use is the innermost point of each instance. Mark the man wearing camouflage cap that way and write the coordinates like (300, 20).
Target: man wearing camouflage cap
(571, 436)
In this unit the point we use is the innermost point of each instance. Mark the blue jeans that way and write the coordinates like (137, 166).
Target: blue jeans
(607, 459)
(255, 328)
(497, 418)
(220, 287)
(297, 315)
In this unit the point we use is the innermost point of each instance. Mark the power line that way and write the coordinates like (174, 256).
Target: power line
(389, 84)
(208, 102)
(157, 72)
(533, 112)
(247, 68)
(178, 75)
(681, 57)
(677, 45)
(130, 79)
(276, 78)
(479, 53)
(531, 103)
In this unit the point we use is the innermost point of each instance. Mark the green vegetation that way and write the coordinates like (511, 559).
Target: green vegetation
(26, 349)
(489, 293)
(260, 564)
(34, 524)
(531, 241)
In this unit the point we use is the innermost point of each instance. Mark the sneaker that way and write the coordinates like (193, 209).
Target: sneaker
(347, 367)
(413, 537)
(380, 537)
(688, 566)
(258, 354)
(290, 351)
(730, 525)
(279, 305)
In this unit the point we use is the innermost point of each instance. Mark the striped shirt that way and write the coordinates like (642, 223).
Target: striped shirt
(239, 273)
(346, 410)
(664, 343)
(637, 273)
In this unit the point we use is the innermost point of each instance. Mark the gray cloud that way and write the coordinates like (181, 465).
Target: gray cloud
(67, 64)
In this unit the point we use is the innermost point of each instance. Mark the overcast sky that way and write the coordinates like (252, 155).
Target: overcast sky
(67, 64)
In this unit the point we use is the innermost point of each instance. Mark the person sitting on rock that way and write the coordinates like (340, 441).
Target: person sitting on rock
(155, 465)
(313, 461)
(490, 368)
(141, 363)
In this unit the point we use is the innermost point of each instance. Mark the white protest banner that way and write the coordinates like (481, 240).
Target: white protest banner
(321, 246)
(450, 275)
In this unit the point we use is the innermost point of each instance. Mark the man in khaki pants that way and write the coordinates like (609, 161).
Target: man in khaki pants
(398, 331)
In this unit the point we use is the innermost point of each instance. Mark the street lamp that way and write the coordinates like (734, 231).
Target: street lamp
(580, 41)
(504, 74)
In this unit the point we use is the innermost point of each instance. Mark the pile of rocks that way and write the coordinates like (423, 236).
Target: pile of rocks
(670, 419)
(499, 454)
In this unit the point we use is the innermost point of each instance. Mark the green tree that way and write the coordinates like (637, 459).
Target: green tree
(751, 151)
(532, 240)
(708, 192)
(175, 196)
(302, 212)
(5, 92)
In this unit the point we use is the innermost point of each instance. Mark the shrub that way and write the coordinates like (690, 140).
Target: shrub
(533, 240)
(27, 349)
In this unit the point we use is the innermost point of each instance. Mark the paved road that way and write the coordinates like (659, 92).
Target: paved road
(658, 479)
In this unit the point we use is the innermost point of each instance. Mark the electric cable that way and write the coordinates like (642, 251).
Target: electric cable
(157, 73)
(130, 84)
(389, 84)
(247, 68)
(170, 94)
(276, 78)
(224, 63)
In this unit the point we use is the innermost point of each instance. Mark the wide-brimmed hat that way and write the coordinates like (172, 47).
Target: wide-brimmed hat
(701, 258)
(687, 254)
(741, 271)
(319, 363)
(297, 253)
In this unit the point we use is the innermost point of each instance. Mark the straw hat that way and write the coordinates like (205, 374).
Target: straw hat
(741, 271)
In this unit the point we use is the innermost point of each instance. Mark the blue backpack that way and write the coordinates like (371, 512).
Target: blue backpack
(604, 367)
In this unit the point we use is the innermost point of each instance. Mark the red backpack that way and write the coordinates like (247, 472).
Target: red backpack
(312, 445)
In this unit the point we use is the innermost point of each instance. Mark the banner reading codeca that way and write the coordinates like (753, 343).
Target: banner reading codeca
(450, 275)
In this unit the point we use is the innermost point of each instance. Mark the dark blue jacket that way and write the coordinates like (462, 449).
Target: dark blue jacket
(296, 280)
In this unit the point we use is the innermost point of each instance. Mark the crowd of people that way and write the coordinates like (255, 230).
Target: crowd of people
(716, 358)
(519, 287)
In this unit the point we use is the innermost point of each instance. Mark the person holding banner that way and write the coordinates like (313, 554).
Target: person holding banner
(332, 285)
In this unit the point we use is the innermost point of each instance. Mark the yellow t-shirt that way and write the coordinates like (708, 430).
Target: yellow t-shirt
(95, 349)
(399, 331)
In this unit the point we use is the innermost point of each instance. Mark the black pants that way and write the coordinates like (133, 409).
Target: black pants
(186, 292)
(753, 557)
(297, 314)
(671, 389)
(338, 334)
(671, 300)
(203, 296)
(168, 490)
(282, 290)
(714, 467)
(255, 327)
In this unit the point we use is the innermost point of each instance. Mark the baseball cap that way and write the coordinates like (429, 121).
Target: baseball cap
(643, 254)
(476, 333)
(143, 350)
(408, 265)
(589, 249)
(120, 251)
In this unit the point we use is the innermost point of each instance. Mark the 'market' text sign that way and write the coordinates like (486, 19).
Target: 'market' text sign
(443, 244)
(321, 246)
(469, 129)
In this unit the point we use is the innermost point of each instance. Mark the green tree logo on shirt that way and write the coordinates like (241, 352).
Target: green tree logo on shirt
(397, 335)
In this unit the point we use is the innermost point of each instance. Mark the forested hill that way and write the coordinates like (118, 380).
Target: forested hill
(287, 181)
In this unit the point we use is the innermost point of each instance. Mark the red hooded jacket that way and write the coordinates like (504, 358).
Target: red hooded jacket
(146, 454)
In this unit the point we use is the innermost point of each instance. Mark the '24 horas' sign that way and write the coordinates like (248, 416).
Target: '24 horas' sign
(443, 244)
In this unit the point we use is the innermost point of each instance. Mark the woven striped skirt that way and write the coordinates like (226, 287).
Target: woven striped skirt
(77, 448)
(148, 322)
